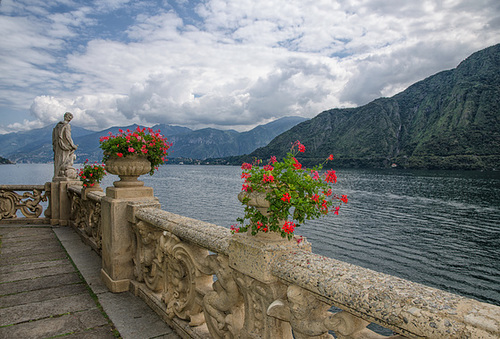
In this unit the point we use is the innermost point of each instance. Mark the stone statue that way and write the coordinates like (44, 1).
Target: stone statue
(64, 149)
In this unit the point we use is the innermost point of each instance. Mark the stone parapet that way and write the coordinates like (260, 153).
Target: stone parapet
(210, 236)
(405, 307)
(247, 287)
(86, 215)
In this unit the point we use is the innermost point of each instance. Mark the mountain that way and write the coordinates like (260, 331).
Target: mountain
(4, 161)
(212, 143)
(88, 145)
(450, 120)
(35, 146)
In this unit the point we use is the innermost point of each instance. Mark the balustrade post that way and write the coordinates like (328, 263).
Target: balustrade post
(60, 203)
(251, 257)
(117, 234)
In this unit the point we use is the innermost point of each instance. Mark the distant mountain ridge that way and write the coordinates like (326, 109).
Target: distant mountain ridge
(450, 120)
(35, 146)
(214, 143)
(4, 161)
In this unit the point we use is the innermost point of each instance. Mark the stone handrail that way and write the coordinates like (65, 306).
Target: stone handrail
(409, 308)
(85, 216)
(28, 203)
(206, 282)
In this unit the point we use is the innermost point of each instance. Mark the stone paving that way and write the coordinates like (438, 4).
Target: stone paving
(41, 292)
(43, 295)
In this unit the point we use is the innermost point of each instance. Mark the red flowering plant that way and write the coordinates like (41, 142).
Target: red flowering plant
(91, 174)
(294, 193)
(140, 141)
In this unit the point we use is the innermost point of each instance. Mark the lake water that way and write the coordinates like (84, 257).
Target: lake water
(438, 228)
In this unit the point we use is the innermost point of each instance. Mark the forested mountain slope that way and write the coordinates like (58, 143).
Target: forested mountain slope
(450, 120)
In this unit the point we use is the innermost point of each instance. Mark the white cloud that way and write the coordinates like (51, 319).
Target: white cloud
(230, 64)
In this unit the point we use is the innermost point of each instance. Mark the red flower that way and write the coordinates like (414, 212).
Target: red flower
(297, 165)
(268, 168)
(315, 175)
(344, 199)
(286, 197)
(131, 149)
(324, 206)
(302, 148)
(331, 176)
(288, 227)
(330, 157)
(246, 166)
(273, 160)
(119, 154)
(268, 178)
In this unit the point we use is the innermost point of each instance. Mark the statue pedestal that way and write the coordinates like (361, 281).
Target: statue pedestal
(60, 204)
(117, 211)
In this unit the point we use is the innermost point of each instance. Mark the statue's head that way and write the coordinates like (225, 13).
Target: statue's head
(68, 116)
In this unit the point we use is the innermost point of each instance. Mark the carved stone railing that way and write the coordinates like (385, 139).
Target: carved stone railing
(207, 283)
(85, 216)
(25, 200)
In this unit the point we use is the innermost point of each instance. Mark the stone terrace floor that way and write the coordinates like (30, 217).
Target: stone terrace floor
(50, 286)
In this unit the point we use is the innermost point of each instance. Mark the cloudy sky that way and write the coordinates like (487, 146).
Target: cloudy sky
(222, 63)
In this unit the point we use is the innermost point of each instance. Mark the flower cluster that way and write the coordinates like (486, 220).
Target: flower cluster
(294, 193)
(152, 144)
(91, 174)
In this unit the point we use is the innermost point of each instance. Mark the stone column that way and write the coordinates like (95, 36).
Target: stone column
(117, 213)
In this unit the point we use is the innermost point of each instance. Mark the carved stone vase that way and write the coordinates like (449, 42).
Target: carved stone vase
(128, 168)
(258, 200)
(95, 188)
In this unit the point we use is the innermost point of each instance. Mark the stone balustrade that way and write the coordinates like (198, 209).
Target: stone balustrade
(208, 283)
(86, 214)
(26, 199)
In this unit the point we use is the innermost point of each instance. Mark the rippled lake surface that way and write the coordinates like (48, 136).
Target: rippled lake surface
(438, 228)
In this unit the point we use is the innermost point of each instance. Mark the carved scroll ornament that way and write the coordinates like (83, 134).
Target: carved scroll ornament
(28, 203)
(86, 215)
(223, 306)
(311, 318)
(173, 268)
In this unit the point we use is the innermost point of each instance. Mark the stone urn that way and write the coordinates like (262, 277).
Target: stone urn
(96, 188)
(128, 168)
(258, 200)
